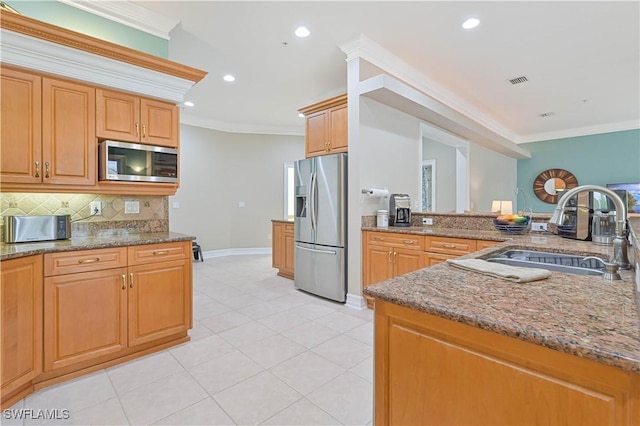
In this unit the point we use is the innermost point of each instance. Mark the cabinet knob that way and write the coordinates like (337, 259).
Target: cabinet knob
(131, 280)
(37, 169)
(46, 169)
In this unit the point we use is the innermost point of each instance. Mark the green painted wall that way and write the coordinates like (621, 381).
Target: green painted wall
(69, 17)
(594, 160)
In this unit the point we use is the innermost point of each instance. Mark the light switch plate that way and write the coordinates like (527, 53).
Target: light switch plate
(131, 207)
(96, 208)
(427, 221)
(538, 226)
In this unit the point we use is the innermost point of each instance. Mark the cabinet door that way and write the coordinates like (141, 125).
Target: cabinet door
(159, 123)
(379, 264)
(159, 300)
(483, 244)
(288, 252)
(316, 134)
(20, 322)
(407, 261)
(117, 116)
(85, 316)
(277, 239)
(69, 135)
(338, 129)
(20, 127)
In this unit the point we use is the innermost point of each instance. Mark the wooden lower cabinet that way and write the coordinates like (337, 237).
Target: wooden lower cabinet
(159, 300)
(433, 371)
(20, 326)
(99, 304)
(283, 248)
(386, 255)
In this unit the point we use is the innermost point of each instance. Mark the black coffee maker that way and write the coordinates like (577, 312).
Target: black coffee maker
(399, 210)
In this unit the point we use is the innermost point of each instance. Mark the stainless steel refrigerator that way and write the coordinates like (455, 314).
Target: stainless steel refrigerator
(321, 226)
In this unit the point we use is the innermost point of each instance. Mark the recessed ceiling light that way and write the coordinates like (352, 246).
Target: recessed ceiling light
(301, 115)
(189, 104)
(302, 32)
(470, 23)
(229, 78)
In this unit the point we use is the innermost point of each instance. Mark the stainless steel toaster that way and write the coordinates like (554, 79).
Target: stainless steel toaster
(20, 229)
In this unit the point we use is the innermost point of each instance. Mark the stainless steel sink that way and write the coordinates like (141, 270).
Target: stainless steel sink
(567, 263)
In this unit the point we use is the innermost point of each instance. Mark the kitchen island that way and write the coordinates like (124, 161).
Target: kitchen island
(457, 347)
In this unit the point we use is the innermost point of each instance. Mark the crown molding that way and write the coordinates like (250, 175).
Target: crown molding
(129, 14)
(36, 54)
(580, 131)
(209, 123)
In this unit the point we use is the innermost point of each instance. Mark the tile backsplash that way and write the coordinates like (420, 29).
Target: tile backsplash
(153, 215)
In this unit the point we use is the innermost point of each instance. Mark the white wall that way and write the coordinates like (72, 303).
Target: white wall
(445, 182)
(492, 176)
(390, 155)
(217, 171)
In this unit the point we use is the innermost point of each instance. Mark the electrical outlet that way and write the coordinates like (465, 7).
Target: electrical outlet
(96, 208)
(427, 221)
(131, 207)
(538, 226)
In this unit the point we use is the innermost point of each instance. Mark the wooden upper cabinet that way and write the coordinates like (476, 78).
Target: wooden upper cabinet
(326, 127)
(20, 126)
(69, 135)
(48, 130)
(125, 117)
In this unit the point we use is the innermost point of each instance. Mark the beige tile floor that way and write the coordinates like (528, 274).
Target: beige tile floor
(261, 353)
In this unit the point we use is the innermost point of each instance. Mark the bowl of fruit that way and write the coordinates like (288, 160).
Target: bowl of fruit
(512, 223)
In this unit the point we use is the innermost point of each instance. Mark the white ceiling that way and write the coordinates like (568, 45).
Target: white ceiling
(582, 59)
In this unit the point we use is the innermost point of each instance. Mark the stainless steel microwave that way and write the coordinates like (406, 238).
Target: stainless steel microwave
(125, 161)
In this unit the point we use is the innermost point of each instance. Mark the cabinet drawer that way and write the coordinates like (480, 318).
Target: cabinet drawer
(71, 262)
(483, 244)
(389, 239)
(457, 246)
(159, 252)
(288, 228)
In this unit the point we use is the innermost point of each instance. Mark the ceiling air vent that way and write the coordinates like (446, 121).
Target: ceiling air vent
(518, 80)
(547, 114)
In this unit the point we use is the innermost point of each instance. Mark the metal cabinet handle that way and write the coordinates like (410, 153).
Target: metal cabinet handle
(37, 169)
(409, 241)
(46, 169)
(449, 245)
(95, 259)
(389, 257)
(144, 130)
(395, 256)
(124, 281)
(160, 252)
(131, 280)
(137, 130)
(378, 238)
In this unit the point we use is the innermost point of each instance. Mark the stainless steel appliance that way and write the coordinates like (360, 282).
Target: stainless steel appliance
(399, 210)
(320, 226)
(20, 229)
(136, 162)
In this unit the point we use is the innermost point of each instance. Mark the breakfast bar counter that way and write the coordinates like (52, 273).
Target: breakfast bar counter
(565, 349)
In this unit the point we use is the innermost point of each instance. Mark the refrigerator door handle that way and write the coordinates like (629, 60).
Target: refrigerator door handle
(312, 200)
(317, 251)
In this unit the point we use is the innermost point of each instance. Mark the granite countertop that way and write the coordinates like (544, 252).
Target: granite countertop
(444, 232)
(282, 220)
(117, 239)
(581, 315)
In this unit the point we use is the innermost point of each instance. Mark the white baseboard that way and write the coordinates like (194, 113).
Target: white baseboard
(235, 251)
(356, 302)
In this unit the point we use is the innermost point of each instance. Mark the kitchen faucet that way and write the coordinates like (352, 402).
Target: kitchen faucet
(620, 239)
